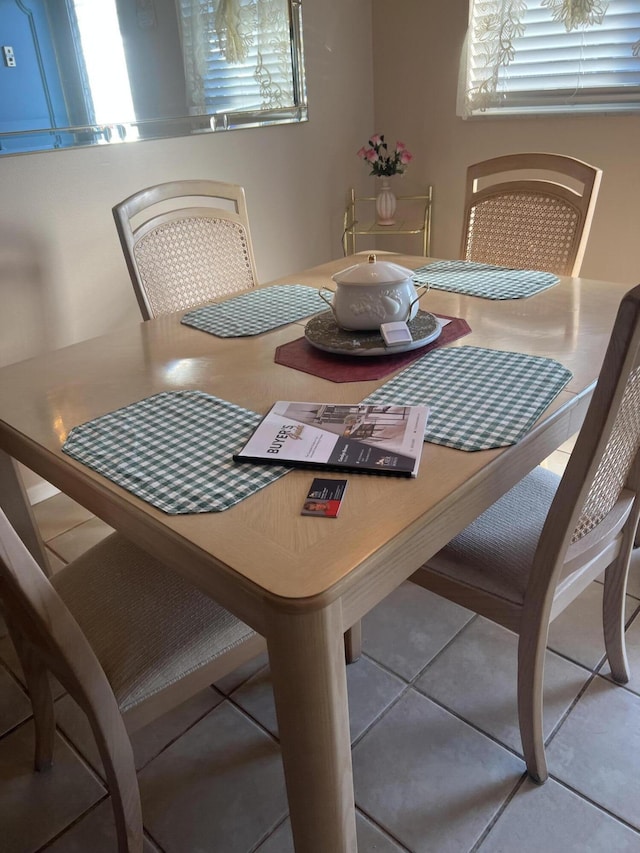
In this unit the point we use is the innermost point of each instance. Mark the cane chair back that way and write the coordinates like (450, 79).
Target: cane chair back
(185, 243)
(536, 549)
(530, 211)
(126, 637)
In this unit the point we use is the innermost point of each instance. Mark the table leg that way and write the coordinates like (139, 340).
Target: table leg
(353, 643)
(15, 504)
(306, 656)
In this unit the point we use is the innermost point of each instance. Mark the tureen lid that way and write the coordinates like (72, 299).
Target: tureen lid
(373, 272)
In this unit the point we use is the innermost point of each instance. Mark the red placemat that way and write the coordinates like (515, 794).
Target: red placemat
(300, 355)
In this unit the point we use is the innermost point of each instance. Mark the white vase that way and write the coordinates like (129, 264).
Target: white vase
(385, 204)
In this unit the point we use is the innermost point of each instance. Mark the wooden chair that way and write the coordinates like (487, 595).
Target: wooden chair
(185, 243)
(537, 548)
(515, 217)
(126, 637)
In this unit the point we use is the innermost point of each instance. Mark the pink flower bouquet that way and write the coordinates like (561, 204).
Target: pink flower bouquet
(382, 163)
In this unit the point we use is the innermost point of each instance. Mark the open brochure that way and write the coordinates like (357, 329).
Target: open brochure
(380, 439)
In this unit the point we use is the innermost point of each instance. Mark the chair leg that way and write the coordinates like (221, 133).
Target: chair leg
(118, 762)
(353, 643)
(37, 677)
(613, 618)
(531, 651)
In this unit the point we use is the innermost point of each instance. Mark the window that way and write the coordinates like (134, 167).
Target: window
(532, 56)
(240, 59)
(108, 92)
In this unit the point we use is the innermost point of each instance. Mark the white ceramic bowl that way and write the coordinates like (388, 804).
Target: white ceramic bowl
(373, 293)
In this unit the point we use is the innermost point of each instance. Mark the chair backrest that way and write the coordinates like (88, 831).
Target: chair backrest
(185, 243)
(595, 511)
(529, 211)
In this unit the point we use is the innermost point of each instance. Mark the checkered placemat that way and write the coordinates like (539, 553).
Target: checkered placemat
(479, 398)
(484, 279)
(174, 450)
(256, 312)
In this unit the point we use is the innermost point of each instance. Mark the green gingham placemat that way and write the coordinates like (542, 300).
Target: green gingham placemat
(256, 312)
(484, 279)
(479, 398)
(174, 450)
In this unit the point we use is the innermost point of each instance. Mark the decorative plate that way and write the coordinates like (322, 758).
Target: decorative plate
(323, 332)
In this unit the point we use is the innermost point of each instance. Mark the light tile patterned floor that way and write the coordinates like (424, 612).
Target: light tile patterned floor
(437, 760)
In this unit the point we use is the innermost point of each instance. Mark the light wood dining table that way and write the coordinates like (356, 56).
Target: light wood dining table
(299, 581)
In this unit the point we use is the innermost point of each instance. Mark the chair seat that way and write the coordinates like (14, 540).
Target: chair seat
(148, 626)
(495, 552)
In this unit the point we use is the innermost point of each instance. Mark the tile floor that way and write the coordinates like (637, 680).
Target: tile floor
(436, 751)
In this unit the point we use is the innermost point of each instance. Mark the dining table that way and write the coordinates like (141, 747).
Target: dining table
(299, 581)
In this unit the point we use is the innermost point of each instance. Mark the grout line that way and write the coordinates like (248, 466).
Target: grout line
(596, 673)
(564, 656)
(251, 718)
(471, 725)
(14, 677)
(411, 685)
(411, 681)
(440, 652)
(563, 717)
(256, 847)
(501, 810)
(88, 766)
(151, 840)
(73, 824)
(380, 716)
(633, 614)
(16, 727)
(386, 833)
(182, 732)
(595, 804)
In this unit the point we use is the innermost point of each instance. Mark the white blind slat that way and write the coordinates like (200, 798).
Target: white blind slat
(597, 61)
(262, 79)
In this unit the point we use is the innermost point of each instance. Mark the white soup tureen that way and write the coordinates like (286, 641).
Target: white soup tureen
(372, 293)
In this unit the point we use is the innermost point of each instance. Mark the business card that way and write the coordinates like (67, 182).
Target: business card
(324, 498)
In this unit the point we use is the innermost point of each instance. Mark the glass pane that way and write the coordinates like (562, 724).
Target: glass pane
(64, 81)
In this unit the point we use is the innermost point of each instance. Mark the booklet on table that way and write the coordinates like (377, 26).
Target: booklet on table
(380, 439)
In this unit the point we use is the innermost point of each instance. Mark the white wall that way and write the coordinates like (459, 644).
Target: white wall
(295, 178)
(416, 56)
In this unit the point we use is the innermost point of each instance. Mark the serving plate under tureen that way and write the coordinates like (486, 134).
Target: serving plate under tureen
(323, 333)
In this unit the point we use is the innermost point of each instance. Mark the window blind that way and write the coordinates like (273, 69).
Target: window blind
(544, 68)
(261, 78)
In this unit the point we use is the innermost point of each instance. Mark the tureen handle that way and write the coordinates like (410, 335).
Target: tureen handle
(324, 299)
(425, 289)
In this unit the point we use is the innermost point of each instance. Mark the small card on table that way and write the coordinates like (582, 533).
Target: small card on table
(324, 498)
